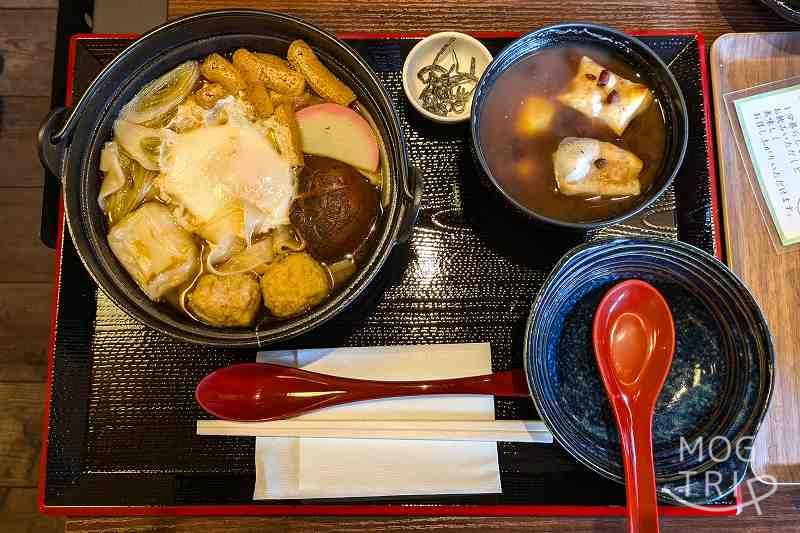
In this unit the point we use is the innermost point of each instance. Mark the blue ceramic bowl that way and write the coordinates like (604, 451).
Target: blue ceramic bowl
(788, 9)
(718, 387)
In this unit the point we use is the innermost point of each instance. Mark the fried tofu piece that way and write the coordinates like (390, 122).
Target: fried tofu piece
(217, 69)
(259, 97)
(590, 167)
(157, 253)
(599, 93)
(272, 59)
(294, 284)
(297, 102)
(285, 132)
(535, 116)
(231, 300)
(323, 81)
(275, 75)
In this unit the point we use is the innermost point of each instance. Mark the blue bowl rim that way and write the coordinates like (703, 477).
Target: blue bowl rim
(782, 8)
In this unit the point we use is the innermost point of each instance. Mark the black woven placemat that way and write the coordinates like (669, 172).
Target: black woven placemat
(122, 415)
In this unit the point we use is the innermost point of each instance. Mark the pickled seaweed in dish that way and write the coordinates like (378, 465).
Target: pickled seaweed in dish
(214, 205)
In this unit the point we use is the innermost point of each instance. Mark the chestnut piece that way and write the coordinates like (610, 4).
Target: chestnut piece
(334, 209)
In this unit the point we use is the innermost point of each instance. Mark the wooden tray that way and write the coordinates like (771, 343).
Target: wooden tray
(740, 61)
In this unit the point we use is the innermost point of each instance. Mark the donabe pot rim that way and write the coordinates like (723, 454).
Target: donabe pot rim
(84, 144)
(502, 62)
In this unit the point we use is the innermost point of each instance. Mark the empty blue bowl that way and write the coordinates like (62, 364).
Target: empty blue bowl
(718, 387)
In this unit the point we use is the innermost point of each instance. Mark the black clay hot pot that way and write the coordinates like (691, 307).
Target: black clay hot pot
(655, 74)
(70, 142)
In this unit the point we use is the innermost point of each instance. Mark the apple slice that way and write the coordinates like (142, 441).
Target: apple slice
(338, 132)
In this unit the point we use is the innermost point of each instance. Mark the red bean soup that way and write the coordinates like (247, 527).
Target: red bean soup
(526, 117)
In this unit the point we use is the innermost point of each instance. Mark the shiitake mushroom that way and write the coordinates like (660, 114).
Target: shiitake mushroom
(334, 209)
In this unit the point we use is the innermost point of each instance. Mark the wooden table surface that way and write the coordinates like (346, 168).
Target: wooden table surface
(711, 17)
(740, 61)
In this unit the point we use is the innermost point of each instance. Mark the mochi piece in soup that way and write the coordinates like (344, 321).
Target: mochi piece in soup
(598, 93)
(590, 167)
(157, 253)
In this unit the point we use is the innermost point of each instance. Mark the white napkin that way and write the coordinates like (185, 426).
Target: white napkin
(338, 468)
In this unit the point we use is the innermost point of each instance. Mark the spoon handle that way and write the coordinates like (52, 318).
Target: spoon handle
(640, 477)
(507, 383)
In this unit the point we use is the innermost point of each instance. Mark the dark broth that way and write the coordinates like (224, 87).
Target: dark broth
(523, 167)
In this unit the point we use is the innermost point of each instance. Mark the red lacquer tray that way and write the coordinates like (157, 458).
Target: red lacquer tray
(116, 446)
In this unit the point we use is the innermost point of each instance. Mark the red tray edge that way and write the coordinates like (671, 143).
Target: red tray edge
(368, 509)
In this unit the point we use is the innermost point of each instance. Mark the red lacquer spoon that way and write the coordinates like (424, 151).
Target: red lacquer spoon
(634, 340)
(250, 392)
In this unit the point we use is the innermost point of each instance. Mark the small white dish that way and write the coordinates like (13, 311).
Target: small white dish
(423, 54)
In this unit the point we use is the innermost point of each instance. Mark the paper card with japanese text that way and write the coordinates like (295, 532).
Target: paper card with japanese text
(770, 128)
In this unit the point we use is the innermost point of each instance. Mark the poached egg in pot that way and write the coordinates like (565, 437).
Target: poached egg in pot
(226, 174)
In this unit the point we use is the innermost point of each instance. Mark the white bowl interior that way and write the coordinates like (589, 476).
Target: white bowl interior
(423, 55)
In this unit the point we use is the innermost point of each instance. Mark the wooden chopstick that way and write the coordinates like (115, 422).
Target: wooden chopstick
(456, 430)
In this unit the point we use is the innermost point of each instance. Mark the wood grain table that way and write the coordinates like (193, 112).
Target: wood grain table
(781, 512)
(740, 61)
